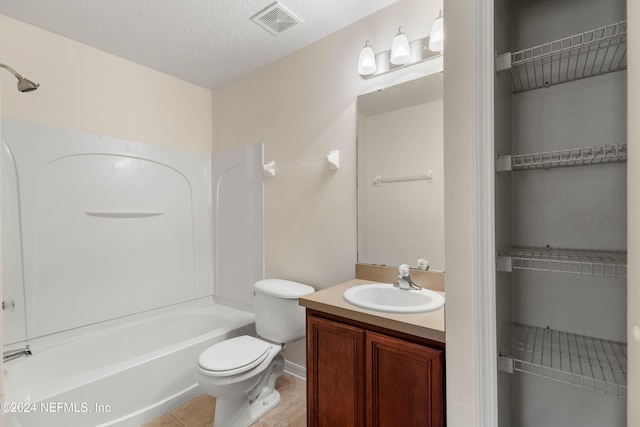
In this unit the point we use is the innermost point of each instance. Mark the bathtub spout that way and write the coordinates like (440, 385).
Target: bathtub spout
(14, 354)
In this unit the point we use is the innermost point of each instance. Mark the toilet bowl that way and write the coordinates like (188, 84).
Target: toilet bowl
(241, 372)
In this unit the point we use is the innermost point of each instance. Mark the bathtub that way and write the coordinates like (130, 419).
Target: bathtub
(121, 373)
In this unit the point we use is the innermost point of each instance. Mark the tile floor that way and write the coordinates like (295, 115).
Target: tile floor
(290, 412)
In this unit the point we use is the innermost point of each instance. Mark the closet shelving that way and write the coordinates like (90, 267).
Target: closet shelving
(591, 363)
(591, 53)
(594, 263)
(587, 362)
(562, 158)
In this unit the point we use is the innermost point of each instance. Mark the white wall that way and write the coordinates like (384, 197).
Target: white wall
(301, 107)
(86, 89)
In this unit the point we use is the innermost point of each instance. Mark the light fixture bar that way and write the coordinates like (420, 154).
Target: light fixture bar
(419, 53)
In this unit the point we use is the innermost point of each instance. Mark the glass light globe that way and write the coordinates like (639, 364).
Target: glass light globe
(367, 60)
(436, 37)
(400, 50)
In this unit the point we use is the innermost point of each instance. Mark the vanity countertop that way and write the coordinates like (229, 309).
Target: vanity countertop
(330, 300)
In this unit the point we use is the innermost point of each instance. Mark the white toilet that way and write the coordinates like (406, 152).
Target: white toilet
(241, 372)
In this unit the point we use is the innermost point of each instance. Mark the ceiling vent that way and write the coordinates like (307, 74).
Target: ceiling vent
(275, 18)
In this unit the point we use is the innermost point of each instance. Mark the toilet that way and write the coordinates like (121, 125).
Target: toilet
(241, 372)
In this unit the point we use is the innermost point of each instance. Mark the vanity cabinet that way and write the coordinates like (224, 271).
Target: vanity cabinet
(362, 375)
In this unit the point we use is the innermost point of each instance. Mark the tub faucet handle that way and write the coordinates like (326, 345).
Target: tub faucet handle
(9, 305)
(14, 354)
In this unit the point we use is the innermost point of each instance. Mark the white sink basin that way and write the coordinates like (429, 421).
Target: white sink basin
(389, 299)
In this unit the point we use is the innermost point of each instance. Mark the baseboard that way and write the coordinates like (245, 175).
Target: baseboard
(295, 370)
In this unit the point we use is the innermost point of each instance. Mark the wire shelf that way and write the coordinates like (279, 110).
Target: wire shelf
(594, 52)
(594, 263)
(590, 363)
(562, 158)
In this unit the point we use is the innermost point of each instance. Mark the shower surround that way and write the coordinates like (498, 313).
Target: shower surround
(102, 233)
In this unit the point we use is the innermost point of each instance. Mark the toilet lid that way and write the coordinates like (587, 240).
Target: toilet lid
(234, 356)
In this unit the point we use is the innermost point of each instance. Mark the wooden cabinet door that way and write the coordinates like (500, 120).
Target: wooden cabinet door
(335, 374)
(404, 383)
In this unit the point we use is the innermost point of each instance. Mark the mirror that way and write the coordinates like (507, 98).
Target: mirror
(401, 174)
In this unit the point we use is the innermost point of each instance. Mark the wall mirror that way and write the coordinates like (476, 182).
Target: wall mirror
(401, 174)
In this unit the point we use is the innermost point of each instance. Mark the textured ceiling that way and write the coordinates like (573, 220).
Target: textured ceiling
(206, 42)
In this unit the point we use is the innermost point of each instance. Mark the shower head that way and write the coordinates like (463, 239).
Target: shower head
(24, 85)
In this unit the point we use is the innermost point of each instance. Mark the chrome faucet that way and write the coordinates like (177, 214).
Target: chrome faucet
(404, 281)
(14, 354)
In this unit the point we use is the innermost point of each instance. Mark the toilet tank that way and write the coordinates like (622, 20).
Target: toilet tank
(279, 318)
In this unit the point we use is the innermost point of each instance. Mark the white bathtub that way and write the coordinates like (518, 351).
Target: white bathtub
(117, 374)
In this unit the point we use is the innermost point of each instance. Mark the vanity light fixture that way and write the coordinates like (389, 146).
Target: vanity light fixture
(436, 36)
(400, 50)
(367, 60)
(403, 53)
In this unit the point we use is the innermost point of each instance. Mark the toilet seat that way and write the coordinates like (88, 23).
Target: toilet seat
(233, 356)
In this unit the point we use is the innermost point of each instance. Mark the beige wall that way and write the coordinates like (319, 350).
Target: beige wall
(86, 89)
(301, 107)
(459, 140)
